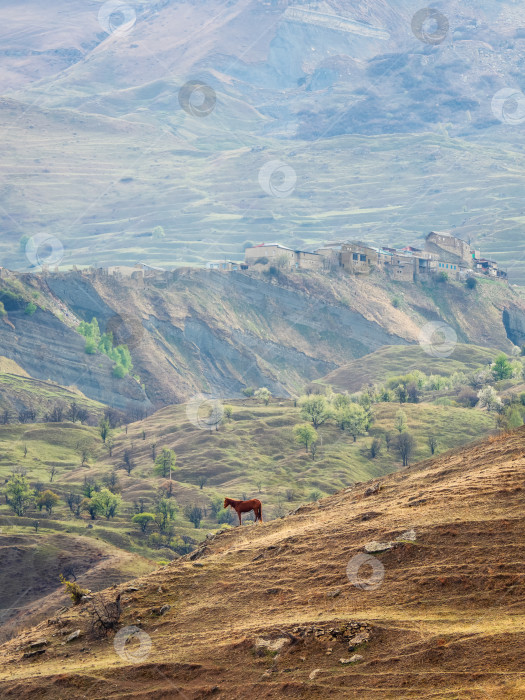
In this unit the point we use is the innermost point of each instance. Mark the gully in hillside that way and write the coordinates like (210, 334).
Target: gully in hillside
(245, 507)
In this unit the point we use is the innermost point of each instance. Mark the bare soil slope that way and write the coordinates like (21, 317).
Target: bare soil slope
(444, 618)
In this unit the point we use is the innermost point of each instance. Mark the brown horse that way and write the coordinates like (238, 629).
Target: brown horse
(245, 507)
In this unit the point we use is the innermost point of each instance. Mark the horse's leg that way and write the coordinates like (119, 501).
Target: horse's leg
(240, 519)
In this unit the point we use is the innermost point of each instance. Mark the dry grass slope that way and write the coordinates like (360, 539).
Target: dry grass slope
(447, 621)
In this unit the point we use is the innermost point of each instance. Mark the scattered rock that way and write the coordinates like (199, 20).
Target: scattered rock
(197, 553)
(370, 515)
(352, 660)
(313, 674)
(74, 635)
(259, 556)
(372, 547)
(86, 598)
(409, 535)
(164, 609)
(419, 502)
(273, 591)
(334, 593)
(37, 644)
(131, 589)
(198, 563)
(357, 639)
(372, 489)
(36, 652)
(210, 535)
(262, 644)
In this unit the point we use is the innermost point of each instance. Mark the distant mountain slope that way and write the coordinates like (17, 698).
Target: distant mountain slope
(438, 613)
(317, 86)
(391, 361)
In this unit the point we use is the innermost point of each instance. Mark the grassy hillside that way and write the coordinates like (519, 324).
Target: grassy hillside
(272, 610)
(19, 392)
(252, 455)
(388, 362)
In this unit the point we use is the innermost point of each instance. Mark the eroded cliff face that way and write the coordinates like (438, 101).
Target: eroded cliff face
(205, 332)
(48, 349)
(514, 322)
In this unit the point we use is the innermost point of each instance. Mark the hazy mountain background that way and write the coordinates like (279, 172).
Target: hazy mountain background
(388, 136)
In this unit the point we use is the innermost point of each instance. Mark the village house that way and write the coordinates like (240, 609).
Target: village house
(277, 255)
(442, 253)
(226, 266)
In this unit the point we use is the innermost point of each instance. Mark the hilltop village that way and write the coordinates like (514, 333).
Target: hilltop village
(442, 253)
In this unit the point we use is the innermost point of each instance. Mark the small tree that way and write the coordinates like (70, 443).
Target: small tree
(104, 428)
(92, 506)
(48, 500)
(52, 471)
(405, 446)
(264, 395)
(305, 435)
(74, 502)
(489, 399)
(228, 412)
(36, 525)
(143, 520)
(432, 443)
(158, 232)
(202, 480)
(19, 494)
(376, 447)
(194, 514)
(502, 368)
(164, 513)
(127, 461)
(110, 444)
(106, 503)
(471, 283)
(111, 481)
(75, 592)
(353, 418)
(316, 410)
(401, 422)
(165, 463)
(249, 391)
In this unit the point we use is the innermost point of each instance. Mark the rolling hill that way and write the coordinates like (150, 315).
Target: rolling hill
(388, 362)
(296, 608)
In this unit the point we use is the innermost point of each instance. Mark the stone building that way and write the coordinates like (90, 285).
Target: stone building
(281, 256)
(444, 245)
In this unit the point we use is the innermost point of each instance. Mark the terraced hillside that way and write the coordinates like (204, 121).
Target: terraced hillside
(284, 610)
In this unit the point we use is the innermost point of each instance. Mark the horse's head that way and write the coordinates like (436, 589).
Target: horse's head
(226, 502)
